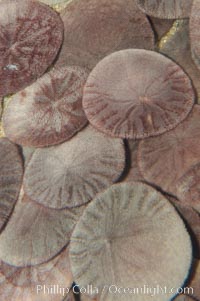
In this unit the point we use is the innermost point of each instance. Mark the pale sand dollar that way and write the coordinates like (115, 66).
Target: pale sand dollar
(137, 94)
(35, 234)
(187, 187)
(96, 28)
(45, 282)
(194, 32)
(130, 234)
(72, 173)
(163, 160)
(49, 111)
(166, 9)
(11, 174)
(177, 47)
(31, 34)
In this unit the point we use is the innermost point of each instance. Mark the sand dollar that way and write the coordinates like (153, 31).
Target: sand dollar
(31, 34)
(72, 173)
(137, 94)
(49, 111)
(45, 282)
(35, 234)
(96, 28)
(130, 234)
(163, 160)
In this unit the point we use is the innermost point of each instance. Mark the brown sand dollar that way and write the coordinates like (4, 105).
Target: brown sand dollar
(166, 9)
(11, 173)
(130, 234)
(163, 160)
(49, 111)
(137, 94)
(45, 282)
(96, 28)
(35, 234)
(188, 187)
(31, 34)
(194, 32)
(71, 174)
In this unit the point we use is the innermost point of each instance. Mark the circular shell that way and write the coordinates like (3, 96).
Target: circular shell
(11, 173)
(49, 111)
(96, 28)
(29, 283)
(166, 9)
(31, 34)
(163, 160)
(35, 234)
(130, 234)
(194, 32)
(137, 94)
(71, 174)
(188, 187)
